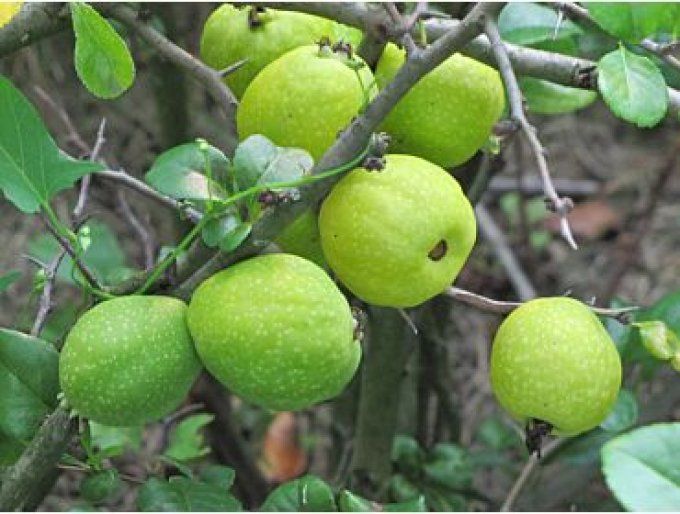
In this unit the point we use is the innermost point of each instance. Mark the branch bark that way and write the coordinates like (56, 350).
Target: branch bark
(34, 22)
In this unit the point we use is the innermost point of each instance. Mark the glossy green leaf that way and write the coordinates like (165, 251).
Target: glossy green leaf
(624, 413)
(181, 173)
(402, 489)
(7, 279)
(227, 232)
(634, 21)
(545, 97)
(103, 256)
(32, 168)
(407, 454)
(306, 494)
(633, 87)
(667, 309)
(258, 161)
(181, 494)
(103, 61)
(29, 384)
(416, 505)
(100, 486)
(350, 502)
(496, 434)
(642, 468)
(526, 23)
(186, 438)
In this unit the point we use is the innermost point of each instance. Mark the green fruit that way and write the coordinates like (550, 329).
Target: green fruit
(398, 236)
(275, 330)
(449, 114)
(304, 98)
(302, 238)
(552, 360)
(129, 360)
(232, 34)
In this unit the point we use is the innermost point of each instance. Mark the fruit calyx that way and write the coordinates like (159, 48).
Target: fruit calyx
(254, 19)
(536, 431)
(438, 251)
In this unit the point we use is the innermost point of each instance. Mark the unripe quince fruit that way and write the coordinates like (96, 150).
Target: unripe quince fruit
(398, 236)
(276, 331)
(552, 360)
(449, 114)
(129, 360)
(232, 34)
(304, 98)
(302, 238)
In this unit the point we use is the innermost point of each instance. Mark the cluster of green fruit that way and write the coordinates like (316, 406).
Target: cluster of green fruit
(275, 329)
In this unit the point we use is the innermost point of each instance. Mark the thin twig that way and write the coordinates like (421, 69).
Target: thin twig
(400, 26)
(526, 472)
(195, 68)
(496, 238)
(45, 305)
(502, 307)
(142, 232)
(557, 204)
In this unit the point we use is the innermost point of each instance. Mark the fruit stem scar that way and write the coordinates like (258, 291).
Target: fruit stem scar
(438, 251)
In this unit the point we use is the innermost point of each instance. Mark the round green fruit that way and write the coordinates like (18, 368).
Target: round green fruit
(552, 360)
(129, 360)
(398, 236)
(302, 238)
(232, 34)
(304, 98)
(276, 331)
(449, 114)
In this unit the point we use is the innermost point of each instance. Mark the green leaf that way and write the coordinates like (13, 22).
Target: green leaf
(181, 494)
(496, 434)
(445, 501)
(448, 466)
(415, 505)
(641, 468)
(635, 21)
(633, 87)
(306, 494)
(100, 486)
(545, 97)
(667, 309)
(407, 454)
(661, 342)
(219, 476)
(402, 489)
(115, 441)
(32, 168)
(8, 279)
(181, 173)
(258, 161)
(103, 61)
(103, 256)
(528, 23)
(29, 384)
(186, 439)
(227, 232)
(350, 502)
(624, 413)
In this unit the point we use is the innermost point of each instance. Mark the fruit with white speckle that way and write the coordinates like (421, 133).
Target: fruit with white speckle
(276, 331)
(129, 360)
(398, 236)
(304, 98)
(553, 361)
(259, 36)
(449, 114)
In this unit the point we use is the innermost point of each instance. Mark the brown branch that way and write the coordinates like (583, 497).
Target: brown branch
(144, 235)
(34, 21)
(502, 307)
(210, 78)
(557, 204)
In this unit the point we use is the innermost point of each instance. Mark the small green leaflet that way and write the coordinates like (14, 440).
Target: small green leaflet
(624, 413)
(181, 494)
(633, 87)
(187, 441)
(526, 23)
(32, 168)
(103, 61)
(545, 97)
